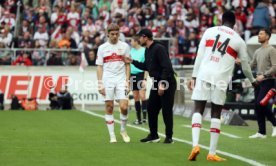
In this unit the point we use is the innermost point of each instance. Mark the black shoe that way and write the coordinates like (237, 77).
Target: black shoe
(168, 141)
(149, 138)
(144, 120)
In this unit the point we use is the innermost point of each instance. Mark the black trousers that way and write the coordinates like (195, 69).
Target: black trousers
(155, 103)
(264, 112)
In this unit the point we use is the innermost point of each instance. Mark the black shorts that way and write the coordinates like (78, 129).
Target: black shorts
(136, 81)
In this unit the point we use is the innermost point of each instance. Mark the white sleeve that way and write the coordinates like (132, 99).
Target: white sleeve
(127, 53)
(99, 59)
(242, 52)
(200, 54)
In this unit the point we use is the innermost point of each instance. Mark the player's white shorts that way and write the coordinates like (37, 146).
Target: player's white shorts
(115, 89)
(208, 92)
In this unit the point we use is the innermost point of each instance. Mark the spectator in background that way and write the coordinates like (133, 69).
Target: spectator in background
(261, 18)
(61, 18)
(104, 5)
(191, 48)
(89, 26)
(41, 37)
(23, 60)
(43, 22)
(55, 60)
(6, 36)
(74, 36)
(8, 20)
(73, 60)
(160, 20)
(25, 41)
(91, 59)
(5, 55)
(120, 8)
(73, 17)
(26, 27)
(119, 4)
(94, 11)
(38, 56)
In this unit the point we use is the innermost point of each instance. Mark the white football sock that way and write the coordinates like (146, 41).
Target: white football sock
(123, 119)
(196, 126)
(109, 119)
(214, 132)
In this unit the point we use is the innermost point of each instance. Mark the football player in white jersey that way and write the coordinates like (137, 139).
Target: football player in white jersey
(218, 49)
(113, 78)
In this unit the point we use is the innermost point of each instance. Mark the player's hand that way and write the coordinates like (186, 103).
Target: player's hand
(191, 84)
(260, 78)
(102, 91)
(255, 84)
(101, 88)
(161, 89)
(127, 59)
(127, 87)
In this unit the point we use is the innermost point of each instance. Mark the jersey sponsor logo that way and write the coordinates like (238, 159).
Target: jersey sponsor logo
(113, 58)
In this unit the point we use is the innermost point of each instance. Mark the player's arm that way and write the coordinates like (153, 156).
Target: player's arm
(200, 55)
(272, 70)
(99, 63)
(100, 79)
(127, 72)
(127, 66)
(139, 65)
(244, 63)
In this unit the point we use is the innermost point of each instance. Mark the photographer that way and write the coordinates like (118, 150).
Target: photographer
(65, 99)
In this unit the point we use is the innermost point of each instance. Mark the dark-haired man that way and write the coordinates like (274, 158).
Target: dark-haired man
(265, 61)
(218, 49)
(158, 64)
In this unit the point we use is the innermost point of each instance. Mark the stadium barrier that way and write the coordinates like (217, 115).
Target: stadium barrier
(37, 82)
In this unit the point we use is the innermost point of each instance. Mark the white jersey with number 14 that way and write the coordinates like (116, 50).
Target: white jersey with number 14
(217, 53)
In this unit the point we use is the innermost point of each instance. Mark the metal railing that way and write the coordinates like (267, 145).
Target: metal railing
(43, 54)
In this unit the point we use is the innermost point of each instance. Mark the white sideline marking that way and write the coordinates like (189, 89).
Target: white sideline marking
(249, 161)
(222, 133)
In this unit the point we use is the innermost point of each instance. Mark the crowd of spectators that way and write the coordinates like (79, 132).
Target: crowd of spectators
(81, 24)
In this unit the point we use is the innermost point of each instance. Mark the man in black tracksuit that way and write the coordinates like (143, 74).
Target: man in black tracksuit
(158, 64)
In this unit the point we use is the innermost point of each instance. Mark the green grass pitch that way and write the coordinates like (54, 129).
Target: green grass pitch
(74, 138)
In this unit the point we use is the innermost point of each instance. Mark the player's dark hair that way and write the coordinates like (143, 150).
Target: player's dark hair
(229, 18)
(267, 31)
